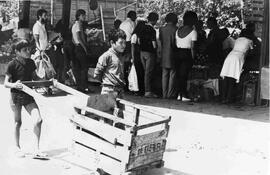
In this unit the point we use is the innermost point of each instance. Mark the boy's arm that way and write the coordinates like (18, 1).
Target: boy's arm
(100, 68)
(8, 84)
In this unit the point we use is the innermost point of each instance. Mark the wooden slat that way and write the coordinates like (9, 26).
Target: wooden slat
(33, 93)
(68, 89)
(140, 107)
(153, 124)
(45, 83)
(106, 115)
(118, 152)
(103, 162)
(105, 131)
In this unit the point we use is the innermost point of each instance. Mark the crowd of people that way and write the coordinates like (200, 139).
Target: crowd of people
(182, 47)
(176, 49)
(132, 42)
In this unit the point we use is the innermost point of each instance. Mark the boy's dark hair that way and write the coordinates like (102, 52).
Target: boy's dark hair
(19, 44)
(115, 34)
(79, 13)
(0, 27)
(117, 23)
(171, 17)
(190, 18)
(40, 12)
(153, 16)
(132, 14)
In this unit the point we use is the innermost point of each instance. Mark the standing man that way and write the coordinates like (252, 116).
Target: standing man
(148, 46)
(128, 27)
(80, 51)
(167, 39)
(40, 33)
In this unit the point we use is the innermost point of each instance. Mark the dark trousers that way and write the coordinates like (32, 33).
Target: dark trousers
(139, 69)
(228, 85)
(80, 68)
(148, 61)
(169, 83)
(183, 67)
(57, 59)
(127, 64)
(68, 49)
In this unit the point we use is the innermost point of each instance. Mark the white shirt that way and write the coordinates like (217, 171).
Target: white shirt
(185, 42)
(127, 26)
(39, 29)
(76, 28)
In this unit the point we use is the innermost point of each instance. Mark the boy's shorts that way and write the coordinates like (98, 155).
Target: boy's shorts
(20, 99)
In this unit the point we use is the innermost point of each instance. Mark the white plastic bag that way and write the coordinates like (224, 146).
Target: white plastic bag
(133, 80)
(40, 71)
(45, 68)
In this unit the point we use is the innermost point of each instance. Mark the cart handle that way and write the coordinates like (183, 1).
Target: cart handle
(41, 83)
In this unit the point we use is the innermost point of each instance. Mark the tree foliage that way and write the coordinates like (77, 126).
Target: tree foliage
(9, 10)
(229, 13)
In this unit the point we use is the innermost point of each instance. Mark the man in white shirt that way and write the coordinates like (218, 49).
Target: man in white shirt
(80, 62)
(39, 30)
(128, 26)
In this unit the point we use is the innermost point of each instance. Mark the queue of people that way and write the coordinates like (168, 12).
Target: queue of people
(181, 48)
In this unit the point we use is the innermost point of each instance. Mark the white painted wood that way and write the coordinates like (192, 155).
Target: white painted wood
(104, 130)
(118, 152)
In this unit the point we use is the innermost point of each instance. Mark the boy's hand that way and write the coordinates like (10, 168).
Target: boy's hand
(18, 84)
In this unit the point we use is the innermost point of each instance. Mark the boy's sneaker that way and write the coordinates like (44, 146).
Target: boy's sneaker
(150, 95)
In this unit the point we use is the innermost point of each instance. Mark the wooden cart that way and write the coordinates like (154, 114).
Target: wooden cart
(128, 139)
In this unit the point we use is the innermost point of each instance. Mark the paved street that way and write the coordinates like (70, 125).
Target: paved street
(203, 139)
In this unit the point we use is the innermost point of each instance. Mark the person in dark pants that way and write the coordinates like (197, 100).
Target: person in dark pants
(167, 38)
(67, 48)
(80, 51)
(135, 56)
(148, 46)
(186, 36)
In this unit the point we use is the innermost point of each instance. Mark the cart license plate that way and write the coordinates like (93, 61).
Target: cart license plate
(151, 148)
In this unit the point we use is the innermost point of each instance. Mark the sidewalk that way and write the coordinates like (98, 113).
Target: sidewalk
(204, 139)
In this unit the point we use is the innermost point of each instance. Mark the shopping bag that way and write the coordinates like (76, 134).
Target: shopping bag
(45, 68)
(49, 70)
(133, 80)
(40, 71)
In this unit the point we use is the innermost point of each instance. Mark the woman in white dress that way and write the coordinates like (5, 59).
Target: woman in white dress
(233, 64)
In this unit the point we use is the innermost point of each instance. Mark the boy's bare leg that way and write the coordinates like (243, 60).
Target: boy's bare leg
(17, 127)
(17, 123)
(33, 110)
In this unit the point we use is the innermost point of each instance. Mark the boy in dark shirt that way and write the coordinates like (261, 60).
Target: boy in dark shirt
(22, 68)
(109, 69)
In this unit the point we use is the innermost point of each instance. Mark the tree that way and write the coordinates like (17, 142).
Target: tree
(227, 12)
